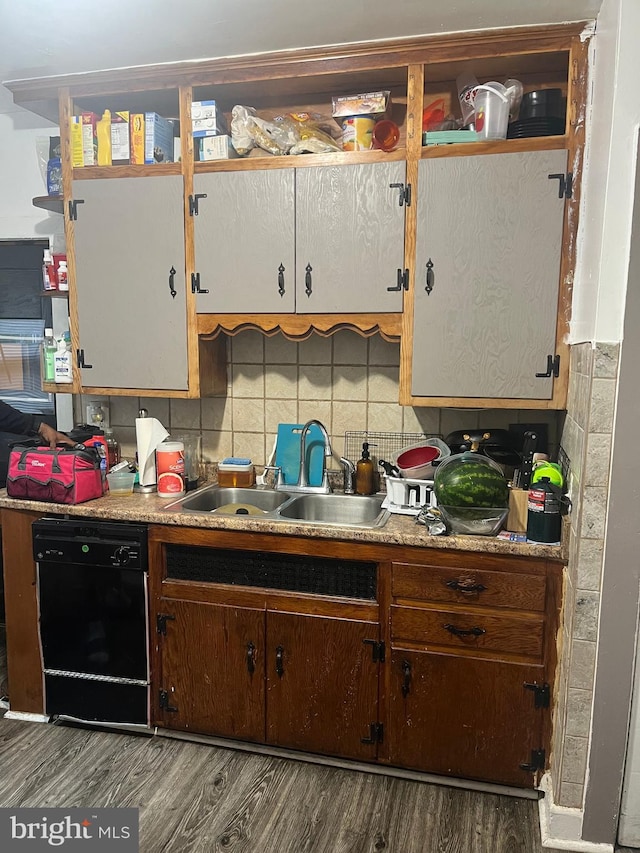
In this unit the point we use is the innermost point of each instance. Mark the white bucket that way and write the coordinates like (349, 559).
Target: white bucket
(492, 111)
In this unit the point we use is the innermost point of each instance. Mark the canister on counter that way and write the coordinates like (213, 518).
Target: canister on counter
(357, 133)
(170, 468)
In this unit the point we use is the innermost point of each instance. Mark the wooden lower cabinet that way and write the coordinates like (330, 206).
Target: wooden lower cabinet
(464, 717)
(212, 669)
(322, 684)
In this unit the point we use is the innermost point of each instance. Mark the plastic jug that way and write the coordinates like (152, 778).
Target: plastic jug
(492, 111)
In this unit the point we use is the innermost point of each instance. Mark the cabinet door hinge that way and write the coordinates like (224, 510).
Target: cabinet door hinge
(402, 282)
(161, 623)
(404, 196)
(73, 208)
(163, 700)
(565, 184)
(195, 283)
(194, 201)
(553, 367)
(376, 733)
(541, 693)
(80, 360)
(377, 650)
(537, 761)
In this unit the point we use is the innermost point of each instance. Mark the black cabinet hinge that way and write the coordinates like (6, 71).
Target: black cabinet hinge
(73, 208)
(80, 360)
(404, 193)
(376, 733)
(163, 700)
(565, 184)
(537, 761)
(402, 282)
(553, 367)
(195, 283)
(194, 201)
(377, 650)
(161, 623)
(541, 693)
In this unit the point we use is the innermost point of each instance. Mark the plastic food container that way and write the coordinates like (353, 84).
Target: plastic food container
(477, 521)
(416, 460)
(236, 473)
(120, 482)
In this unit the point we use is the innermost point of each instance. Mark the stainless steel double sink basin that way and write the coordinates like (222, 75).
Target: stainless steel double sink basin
(275, 505)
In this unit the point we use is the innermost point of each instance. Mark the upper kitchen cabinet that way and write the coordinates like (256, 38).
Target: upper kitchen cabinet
(489, 240)
(129, 268)
(452, 247)
(325, 239)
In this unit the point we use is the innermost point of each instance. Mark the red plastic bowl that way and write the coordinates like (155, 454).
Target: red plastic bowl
(417, 456)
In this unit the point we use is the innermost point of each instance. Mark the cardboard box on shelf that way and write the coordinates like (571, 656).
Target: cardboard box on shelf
(375, 104)
(89, 138)
(158, 139)
(216, 148)
(136, 138)
(77, 158)
(120, 138)
(207, 119)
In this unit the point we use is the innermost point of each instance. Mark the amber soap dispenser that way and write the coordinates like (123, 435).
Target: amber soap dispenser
(364, 473)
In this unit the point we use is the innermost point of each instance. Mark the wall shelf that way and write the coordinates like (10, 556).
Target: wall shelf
(52, 203)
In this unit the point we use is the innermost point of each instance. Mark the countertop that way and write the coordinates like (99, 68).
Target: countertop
(399, 529)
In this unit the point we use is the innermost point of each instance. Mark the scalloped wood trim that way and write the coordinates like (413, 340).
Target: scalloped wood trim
(299, 327)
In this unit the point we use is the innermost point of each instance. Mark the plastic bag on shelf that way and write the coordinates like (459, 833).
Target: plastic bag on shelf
(248, 130)
(312, 132)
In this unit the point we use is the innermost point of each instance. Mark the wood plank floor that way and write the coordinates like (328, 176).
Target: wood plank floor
(199, 798)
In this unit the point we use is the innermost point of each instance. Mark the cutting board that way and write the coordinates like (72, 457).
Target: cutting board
(288, 453)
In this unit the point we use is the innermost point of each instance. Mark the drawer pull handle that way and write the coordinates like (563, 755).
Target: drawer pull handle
(464, 632)
(251, 658)
(466, 586)
(279, 664)
(406, 677)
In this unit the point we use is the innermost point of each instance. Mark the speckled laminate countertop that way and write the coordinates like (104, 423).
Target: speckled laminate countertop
(399, 529)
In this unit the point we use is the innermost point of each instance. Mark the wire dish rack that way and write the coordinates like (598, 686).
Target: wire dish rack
(382, 445)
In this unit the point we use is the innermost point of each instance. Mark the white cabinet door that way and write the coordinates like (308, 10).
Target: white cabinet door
(129, 257)
(349, 238)
(244, 242)
(489, 237)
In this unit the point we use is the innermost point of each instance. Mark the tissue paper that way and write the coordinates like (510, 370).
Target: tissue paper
(149, 434)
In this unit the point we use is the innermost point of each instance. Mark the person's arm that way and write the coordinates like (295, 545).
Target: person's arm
(21, 423)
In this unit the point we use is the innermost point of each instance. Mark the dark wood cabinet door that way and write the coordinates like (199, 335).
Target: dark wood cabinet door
(322, 684)
(465, 717)
(212, 661)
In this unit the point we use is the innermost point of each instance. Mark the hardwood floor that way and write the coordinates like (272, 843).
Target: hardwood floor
(198, 798)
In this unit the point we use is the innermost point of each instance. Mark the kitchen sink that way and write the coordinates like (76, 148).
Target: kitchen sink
(362, 511)
(333, 509)
(230, 500)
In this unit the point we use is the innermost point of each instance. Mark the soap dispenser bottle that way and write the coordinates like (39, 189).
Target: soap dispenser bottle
(364, 473)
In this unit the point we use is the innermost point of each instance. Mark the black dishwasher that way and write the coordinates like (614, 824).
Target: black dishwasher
(92, 594)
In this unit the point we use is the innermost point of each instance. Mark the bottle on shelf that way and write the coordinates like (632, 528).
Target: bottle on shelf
(49, 281)
(63, 369)
(49, 356)
(63, 276)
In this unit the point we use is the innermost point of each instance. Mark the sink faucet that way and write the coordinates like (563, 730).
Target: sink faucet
(303, 478)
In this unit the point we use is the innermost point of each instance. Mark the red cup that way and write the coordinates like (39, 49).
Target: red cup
(385, 135)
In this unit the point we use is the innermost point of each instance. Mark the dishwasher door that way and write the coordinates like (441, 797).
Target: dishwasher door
(92, 594)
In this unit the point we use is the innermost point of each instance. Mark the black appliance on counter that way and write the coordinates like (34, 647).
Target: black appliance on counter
(92, 593)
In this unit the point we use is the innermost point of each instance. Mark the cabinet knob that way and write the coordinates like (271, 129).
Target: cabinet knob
(467, 586)
(464, 632)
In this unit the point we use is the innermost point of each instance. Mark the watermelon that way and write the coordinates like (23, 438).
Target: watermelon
(470, 480)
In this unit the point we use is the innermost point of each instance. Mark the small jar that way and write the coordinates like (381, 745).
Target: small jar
(113, 449)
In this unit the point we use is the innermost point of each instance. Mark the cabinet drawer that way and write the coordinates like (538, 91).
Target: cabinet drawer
(476, 586)
(521, 635)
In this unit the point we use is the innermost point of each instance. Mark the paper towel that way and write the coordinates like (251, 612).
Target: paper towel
(149, 434)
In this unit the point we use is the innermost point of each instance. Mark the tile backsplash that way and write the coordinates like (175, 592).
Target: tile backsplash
(346, 381)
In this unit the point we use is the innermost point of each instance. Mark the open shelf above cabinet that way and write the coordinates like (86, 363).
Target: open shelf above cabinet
(52, 203)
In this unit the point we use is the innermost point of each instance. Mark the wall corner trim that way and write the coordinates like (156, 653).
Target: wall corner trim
(561, 827)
